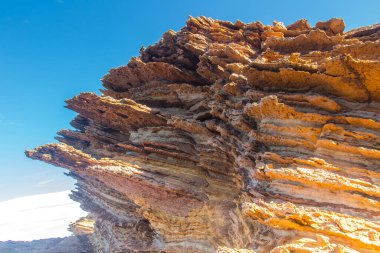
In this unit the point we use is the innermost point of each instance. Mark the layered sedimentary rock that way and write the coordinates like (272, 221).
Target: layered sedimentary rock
(233, 137)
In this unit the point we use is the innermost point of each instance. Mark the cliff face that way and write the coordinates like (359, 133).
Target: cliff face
(233, 137)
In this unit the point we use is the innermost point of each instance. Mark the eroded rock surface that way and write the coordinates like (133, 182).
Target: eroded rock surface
(233, 137)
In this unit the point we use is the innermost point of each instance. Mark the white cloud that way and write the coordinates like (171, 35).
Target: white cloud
(44, 183)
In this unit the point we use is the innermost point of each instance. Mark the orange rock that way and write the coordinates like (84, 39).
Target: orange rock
(232, 137)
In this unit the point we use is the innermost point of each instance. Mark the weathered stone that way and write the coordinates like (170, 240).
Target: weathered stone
(233, 137)
(299, 25)
(333, 26)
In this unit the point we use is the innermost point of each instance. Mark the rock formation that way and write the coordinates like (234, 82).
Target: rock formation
(233, 137)
(71, 244)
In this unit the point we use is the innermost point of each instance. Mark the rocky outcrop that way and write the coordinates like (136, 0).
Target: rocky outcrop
(71, 244)
(233, 137)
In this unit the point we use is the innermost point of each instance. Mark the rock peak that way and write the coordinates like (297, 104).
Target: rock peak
(233, 137)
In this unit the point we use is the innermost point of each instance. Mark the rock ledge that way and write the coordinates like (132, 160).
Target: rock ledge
(233, 137)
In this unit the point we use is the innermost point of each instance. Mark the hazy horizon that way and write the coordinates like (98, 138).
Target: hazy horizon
(40, 216)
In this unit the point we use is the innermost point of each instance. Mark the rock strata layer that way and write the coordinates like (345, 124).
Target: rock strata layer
(233, 137)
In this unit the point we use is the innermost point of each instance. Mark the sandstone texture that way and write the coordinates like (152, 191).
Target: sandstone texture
(233, 137)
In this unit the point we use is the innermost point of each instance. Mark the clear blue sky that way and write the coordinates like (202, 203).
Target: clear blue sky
(50, 50)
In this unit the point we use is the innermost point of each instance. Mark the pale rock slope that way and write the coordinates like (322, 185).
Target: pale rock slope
(40, 224)
(39, 216)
